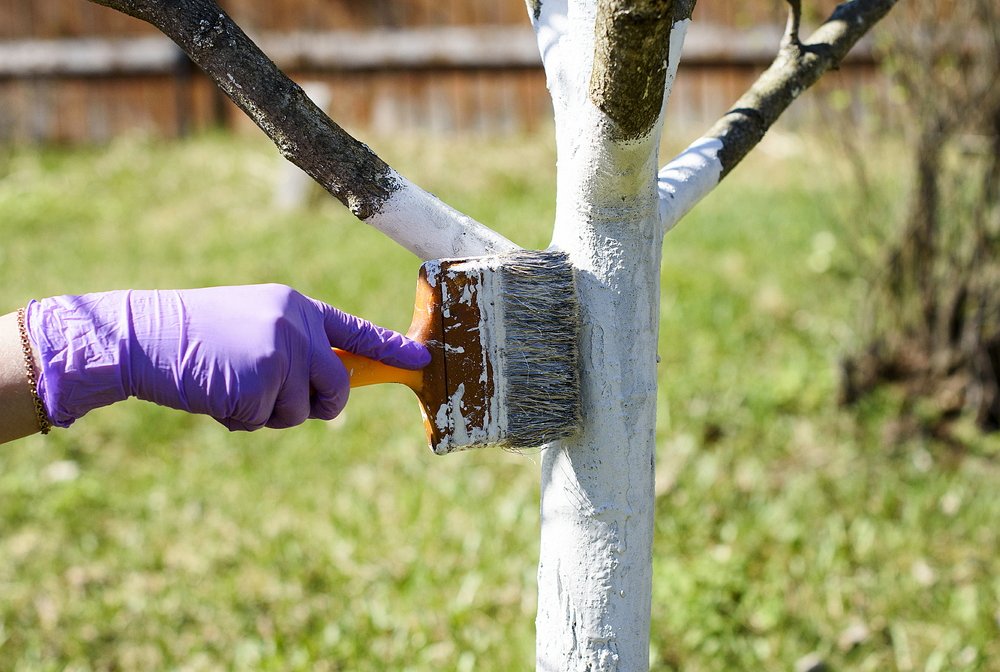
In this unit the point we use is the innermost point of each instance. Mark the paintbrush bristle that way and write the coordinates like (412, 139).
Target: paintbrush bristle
(542, 328)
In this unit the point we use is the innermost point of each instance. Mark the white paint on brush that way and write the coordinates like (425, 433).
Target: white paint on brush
(441, 419)
(467, 297)
(493, 339)
(455, 417)
(432, 269)
(459, 432)
(688, 178)
(431, 229)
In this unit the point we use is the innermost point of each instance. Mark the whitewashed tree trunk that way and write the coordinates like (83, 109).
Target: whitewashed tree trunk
(609, 65)
(594, 575)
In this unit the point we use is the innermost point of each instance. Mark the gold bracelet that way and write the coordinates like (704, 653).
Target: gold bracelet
(29, 367)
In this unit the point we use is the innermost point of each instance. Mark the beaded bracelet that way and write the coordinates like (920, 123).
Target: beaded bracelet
(29, 367)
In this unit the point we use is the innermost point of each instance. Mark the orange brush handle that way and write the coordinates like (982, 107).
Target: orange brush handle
(365, 371)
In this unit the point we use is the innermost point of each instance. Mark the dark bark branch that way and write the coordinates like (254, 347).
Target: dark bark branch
(302, 132)
(794, 21)
(683, 9)
(631, 45)
(534, 8)
(796, 68)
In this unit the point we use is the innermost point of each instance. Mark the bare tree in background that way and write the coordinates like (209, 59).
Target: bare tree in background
(609, 66)
(936, 307)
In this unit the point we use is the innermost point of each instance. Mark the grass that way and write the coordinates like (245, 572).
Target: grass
(146, 539)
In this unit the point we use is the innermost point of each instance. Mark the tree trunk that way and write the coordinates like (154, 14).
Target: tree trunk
(594, 573)
(595, 576)
(595, 570)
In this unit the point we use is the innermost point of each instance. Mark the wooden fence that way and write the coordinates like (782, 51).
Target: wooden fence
(73, 71)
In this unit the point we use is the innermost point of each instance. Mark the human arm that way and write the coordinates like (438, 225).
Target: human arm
(17, 409)
(250, 356)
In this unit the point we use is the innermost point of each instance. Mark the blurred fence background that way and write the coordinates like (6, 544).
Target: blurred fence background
(74, 71)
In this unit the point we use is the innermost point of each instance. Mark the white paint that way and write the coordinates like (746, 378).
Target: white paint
(467, 296)
(595, 573)
(492, 338)
(565, 35)
(430, 229)
(677, 34)
(441, 420)
(432, 269)
(459, 434)
(688, 178)
(550, 28)
(453, 417)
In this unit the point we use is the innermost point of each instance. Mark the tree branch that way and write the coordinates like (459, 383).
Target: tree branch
(796, 67)
(304, 135)
(550, 20)
(696, 171)
(794, 21)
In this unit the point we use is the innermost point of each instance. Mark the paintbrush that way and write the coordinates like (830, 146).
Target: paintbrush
(502, 331)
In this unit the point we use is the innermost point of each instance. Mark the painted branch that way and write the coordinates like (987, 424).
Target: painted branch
(550, 19)
(696, 171)
(797, 67)
(690, 176)
(441, 232)
(302, 132)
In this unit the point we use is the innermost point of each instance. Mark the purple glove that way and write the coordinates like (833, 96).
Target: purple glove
(250, 357)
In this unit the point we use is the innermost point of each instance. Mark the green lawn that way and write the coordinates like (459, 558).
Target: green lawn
(145, 539)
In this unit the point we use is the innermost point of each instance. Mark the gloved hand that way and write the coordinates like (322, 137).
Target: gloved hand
(250, 356)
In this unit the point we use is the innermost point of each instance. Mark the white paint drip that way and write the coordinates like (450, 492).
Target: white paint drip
(441, 420)
(432, 269)
(467, 297)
